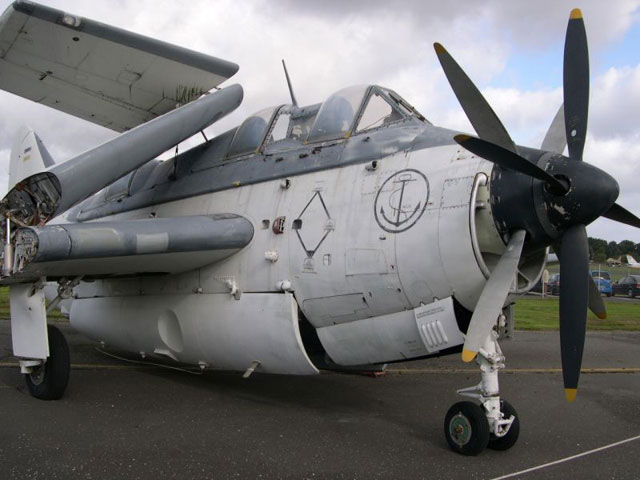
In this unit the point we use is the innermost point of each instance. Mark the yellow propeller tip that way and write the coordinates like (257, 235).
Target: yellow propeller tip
(468, 355)
(576, 14)
(461, 137)
(438, 48)
(571, 394)
(602, 316)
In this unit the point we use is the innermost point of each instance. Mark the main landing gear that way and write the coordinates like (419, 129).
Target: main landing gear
(48, 380)
(470, 427)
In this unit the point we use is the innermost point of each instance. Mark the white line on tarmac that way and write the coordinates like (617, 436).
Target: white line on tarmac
(573, 457)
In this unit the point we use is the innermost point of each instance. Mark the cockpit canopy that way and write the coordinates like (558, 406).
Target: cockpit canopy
(251, 132)
(356, 109)
(345, 113)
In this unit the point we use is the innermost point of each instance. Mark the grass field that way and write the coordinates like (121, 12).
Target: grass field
(542, 314)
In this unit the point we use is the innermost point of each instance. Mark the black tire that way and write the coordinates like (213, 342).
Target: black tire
(510, 439)
(630, 293)
(466, 428)
(609, 294)
(49, 381)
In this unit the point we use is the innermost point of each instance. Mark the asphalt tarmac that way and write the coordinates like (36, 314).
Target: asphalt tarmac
(122, 420)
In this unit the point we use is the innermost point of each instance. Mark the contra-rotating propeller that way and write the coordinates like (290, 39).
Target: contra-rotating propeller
(573, 194)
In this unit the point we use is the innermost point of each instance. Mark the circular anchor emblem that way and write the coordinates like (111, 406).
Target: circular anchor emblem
(401, 200)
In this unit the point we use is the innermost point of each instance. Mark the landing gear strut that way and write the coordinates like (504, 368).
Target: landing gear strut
(48, 380)
(468, 427)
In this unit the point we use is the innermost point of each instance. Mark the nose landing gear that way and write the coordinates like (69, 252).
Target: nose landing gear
(468, 427)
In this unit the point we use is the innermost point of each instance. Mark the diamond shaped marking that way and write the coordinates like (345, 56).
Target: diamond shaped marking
(316, 224)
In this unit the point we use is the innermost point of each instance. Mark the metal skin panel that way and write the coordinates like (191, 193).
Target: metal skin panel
(56, 190)
(112, 77)
(28, 156)
(115, 158)
(373, 340)
(169, 245)
(167, 263)
(211, 330)
(438, 326)
(397, 336)
(28, 322)
(329, 232)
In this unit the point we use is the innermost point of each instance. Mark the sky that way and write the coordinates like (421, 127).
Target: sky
(512, 51)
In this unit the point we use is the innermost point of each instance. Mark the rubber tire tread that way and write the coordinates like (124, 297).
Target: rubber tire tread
(479, 428)
(57, 368)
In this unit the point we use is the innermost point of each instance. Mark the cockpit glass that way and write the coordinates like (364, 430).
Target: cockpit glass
(250, 134)
(378, 112)
(337, 113)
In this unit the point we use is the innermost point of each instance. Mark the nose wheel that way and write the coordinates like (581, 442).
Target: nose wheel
(466, 428)
(470, 427)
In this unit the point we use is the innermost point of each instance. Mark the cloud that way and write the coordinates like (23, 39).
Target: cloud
(331, 44)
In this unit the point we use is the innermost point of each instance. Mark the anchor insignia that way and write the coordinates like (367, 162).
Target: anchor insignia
(404, 195)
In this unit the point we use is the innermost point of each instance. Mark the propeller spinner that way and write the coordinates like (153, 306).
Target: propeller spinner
(572, 193)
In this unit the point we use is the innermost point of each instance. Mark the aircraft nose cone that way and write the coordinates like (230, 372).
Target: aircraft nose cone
(591, 193)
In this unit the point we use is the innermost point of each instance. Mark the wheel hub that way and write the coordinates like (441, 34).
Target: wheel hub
(460, 429)
(37, 375)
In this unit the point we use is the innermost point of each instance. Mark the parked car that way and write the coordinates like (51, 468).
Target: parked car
(629, 286)
(604, 285)
(601, 273)
(553, 285)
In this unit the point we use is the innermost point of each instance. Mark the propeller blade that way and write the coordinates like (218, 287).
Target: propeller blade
(556, 140)
(576, 84)
(596, 304)
(484, 120)
(493, 296)
(622, 215)
(574, 298)
(507, 159)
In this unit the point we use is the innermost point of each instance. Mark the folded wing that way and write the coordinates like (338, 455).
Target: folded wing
(103, 74)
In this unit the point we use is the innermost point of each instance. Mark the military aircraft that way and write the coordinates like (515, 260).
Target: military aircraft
(631, 262)
(614, 262)
(345, 234)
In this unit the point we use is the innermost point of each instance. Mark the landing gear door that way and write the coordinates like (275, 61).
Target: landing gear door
(28, 322)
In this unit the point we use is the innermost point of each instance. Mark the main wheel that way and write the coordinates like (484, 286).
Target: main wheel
(466, 428)
(510, 439)
(49, 381)
(631, 295)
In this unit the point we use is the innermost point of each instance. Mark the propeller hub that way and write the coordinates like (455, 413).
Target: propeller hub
(591, 193)
(546, 211)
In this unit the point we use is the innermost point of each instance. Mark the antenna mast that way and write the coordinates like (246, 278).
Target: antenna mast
(286, 74)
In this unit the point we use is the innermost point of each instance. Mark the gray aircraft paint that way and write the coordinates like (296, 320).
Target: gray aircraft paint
(58, 188)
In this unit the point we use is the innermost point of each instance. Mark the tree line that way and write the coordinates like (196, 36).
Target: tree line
(600, 250)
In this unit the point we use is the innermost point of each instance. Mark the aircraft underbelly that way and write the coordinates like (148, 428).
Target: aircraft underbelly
(211, 330)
